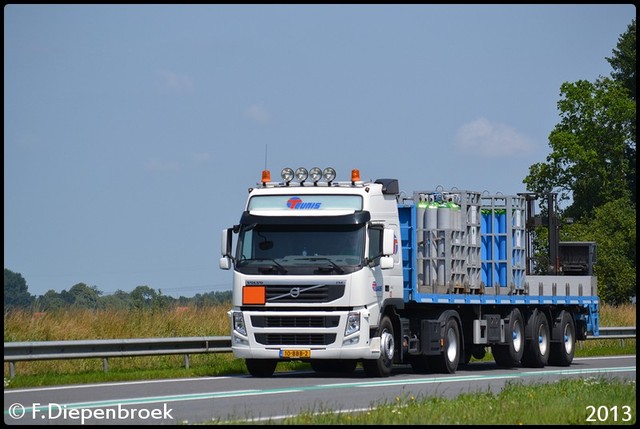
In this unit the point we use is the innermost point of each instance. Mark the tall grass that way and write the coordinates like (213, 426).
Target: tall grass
(84, 324)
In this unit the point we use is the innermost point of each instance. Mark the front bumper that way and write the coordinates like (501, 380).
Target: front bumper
(270, 334)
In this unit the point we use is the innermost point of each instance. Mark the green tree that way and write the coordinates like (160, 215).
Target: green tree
(51, 301)
(623, 63)
(16, 291)
(85, 296)
(613, 228)
(143, 297)
(588, 162)
(623, 60)
(119, 300)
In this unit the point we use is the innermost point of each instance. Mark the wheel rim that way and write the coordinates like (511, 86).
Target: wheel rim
(387, 345)
(568, 339)
(516, 336)
(543, 341)
(452, 349)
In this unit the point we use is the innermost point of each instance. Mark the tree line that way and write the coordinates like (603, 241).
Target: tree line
(80, 295)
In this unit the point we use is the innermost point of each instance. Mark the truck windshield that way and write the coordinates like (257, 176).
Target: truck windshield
(300, 249)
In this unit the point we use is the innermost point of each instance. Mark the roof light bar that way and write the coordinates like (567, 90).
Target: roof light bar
(315, 174)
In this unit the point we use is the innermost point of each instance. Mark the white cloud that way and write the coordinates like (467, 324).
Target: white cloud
(491, 140)
(173, 82)
(257, 114)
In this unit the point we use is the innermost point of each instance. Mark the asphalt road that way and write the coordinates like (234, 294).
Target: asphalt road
(242, 397)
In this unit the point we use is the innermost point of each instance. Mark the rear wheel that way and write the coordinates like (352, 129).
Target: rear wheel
(510, 354)
(261, 367)
(536, 351)
(562, 352)
(381, 367)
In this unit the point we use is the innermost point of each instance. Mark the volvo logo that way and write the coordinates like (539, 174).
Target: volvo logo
(294, 292)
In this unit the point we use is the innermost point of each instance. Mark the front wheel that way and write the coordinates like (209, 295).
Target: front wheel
(381, 367)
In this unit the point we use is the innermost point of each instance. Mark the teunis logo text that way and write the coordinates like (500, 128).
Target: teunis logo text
(296, 203)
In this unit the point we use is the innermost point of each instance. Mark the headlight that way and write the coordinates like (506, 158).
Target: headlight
(353, 323)
(316, 174)
(287, 174)
(301, 174)
(238, 323)
(329, 174)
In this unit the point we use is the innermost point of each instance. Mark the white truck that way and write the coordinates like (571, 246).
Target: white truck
(338, 273)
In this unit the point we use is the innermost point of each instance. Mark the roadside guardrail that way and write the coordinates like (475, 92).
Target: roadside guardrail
(105, 349)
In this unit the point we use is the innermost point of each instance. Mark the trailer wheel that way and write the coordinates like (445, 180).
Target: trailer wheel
(261, 367)
(510, 354)
(381, 367)
(447, 361)
(536, 350)
(562, 352)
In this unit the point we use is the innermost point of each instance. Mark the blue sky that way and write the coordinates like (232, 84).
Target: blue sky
(131, 133)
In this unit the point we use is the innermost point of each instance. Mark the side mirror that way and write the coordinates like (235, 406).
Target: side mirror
(225, 248)
(225, 263)
(388, 242)
(225, 242)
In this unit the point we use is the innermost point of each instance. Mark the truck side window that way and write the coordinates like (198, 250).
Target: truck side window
(375, 244)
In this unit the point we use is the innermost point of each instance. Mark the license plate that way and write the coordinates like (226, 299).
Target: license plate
(295, 354)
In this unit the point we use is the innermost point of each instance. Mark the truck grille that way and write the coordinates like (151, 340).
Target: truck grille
(304, 293)
(296, 339)
(295, 321)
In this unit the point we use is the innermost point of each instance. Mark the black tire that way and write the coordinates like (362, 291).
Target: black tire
(447, 361)
(510, 354)
(537, 350)
(335, 366)
(381, 367)
(562, 352)
(261, 367)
